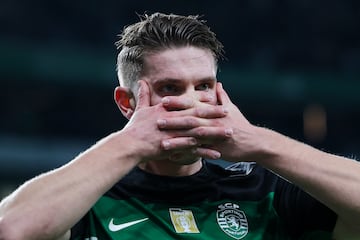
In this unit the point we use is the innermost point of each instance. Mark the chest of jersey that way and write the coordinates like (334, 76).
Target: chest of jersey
(125, 219)
(209, 205)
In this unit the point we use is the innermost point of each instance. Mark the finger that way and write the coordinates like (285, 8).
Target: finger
(210, 133)
(188, 138)
(188, 122)
(210, 111)
(207, 153)
(178, 123)
(205, 112)
(178, 143)
(177, 103)
(181, 102)
(195, 152)
(222, 96)
(143, 95)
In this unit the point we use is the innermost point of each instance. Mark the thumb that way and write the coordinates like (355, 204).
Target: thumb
(222, 96)
(143, 95)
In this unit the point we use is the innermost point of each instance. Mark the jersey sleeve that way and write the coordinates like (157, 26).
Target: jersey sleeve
(79, 229)
(300, 211)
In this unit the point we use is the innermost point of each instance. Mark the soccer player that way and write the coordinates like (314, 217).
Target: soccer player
(150, 180)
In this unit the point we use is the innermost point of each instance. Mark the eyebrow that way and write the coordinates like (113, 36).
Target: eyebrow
(207, 79)
(176, 80)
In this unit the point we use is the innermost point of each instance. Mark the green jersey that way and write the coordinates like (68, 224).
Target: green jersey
(242, 202)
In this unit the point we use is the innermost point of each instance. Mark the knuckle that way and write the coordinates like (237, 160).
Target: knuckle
(200, 112)
(200, 132)
(191, 122)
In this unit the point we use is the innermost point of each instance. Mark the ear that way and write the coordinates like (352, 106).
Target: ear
(125, 101)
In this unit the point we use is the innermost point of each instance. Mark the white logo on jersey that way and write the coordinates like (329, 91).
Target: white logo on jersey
(117, 227)
(241, 168)
(232, 220)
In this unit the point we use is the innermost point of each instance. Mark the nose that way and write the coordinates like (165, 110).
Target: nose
(194, 95)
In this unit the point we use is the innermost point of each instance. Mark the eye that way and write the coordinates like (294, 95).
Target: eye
(203, 87)
(168, 89)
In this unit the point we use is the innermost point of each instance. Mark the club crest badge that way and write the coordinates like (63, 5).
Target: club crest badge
(232, 220)
(183, 221)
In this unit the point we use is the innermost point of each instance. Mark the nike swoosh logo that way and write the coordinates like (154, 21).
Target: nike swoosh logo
(117, 227)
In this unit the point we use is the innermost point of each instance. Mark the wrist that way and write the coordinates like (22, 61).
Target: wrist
(123, 148)
(269, 146)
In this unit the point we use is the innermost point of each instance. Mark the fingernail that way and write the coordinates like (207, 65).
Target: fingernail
(229, 132)
(161, 123)
(225, 110)
(193, 141)
(165, 101)
(216, 155)
(166, 145)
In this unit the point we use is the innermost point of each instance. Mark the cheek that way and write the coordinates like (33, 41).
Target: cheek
(154, 98)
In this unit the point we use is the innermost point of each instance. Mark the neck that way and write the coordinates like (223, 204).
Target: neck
(169, 168)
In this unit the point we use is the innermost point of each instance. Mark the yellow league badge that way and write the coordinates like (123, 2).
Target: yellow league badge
(183, 221)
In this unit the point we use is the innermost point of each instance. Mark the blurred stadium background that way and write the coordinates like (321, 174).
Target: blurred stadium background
(292, 66)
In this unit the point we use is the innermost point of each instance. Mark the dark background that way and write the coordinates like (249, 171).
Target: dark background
(292, 66)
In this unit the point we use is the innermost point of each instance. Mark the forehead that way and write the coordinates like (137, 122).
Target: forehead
(185, 63)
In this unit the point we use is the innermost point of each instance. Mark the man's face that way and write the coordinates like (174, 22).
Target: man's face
(188, 72)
